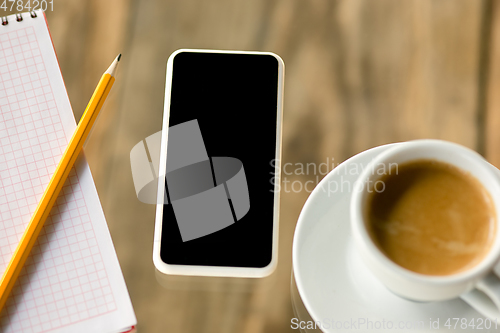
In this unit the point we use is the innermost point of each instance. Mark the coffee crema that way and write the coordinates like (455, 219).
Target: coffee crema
(432, 218)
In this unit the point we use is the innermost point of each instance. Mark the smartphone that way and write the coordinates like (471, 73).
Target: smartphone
(219, 164)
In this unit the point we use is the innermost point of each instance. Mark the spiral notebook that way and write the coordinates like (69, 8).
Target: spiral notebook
(72, 281)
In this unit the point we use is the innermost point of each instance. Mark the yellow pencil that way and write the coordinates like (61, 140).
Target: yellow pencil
(56, 183)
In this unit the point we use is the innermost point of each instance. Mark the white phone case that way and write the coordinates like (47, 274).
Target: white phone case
(216, 270)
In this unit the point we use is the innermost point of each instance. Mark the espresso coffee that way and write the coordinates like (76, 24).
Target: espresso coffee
(431, 217)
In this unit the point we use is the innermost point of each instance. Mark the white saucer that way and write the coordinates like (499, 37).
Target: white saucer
(333, 282)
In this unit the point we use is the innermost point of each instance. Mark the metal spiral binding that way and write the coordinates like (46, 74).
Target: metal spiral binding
(19, 17)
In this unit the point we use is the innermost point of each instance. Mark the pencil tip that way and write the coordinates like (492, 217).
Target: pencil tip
(112, 68)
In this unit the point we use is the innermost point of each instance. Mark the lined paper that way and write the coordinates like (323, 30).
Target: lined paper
(72, 281)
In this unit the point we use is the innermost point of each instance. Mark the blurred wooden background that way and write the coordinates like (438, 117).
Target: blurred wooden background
(359, 73)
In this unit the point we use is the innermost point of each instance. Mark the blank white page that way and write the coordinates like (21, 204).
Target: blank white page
(72, 280)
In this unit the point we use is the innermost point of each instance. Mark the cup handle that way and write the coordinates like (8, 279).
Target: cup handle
(485, 298)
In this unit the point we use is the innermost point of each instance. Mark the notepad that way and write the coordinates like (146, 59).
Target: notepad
(72, 281)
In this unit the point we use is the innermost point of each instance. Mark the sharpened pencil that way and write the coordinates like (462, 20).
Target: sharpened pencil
(56, 183)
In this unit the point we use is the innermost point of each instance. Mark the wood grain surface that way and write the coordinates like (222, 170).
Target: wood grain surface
(359, 73)
(492, 88)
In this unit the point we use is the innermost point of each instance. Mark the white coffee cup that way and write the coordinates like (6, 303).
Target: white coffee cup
(472, 285)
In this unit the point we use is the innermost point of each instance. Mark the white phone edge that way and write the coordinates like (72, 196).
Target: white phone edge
(243, 272)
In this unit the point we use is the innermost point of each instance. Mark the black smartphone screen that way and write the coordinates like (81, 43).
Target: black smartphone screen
(217, 215)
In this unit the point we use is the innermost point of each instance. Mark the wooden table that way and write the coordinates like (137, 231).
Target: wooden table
(358, 74)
